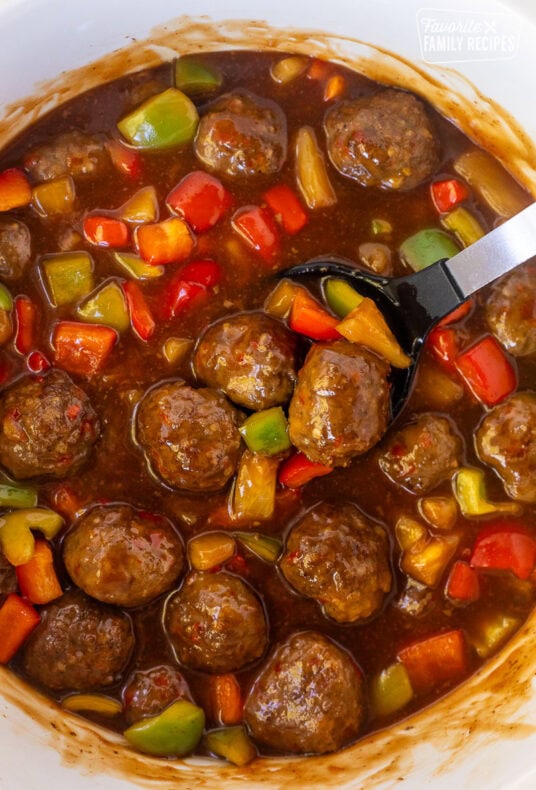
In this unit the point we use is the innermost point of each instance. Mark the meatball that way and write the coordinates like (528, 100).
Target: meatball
(340, 407)
(190, 436)
(341, 558)
(79, 644)
(215, 623)
(422, 454)
(15, 249)
(72, 153)
(511, 311)
(242, 135)
(148, 692)
(385, 140)
(119, 555)
(251, 357)
(8, 576)
(309, 698)
(506, 440)
(47, 426)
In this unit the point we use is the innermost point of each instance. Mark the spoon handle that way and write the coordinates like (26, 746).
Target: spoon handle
(495, 254)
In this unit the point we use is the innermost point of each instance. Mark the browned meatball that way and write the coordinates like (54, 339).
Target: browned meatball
(119, 555)
(190, 436)
(8, 576)
(341, 558)
(148, 692)
(79, 644)
(385, 140)
(308, 699)
(340, 407)
(215, 623)
(242, 135)
(422, 454)
(47, 426)
(72, 153)
(251, 357)
(15, 249)
(511, 311)
(506, 440)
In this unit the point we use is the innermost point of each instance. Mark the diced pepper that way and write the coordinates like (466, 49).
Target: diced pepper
(487, 371)
(286, 207)
(462, 584)
(204, 272)
(231, 743)
(37, 578)
(173, 733)
(381, 227)
(426, 247)
(266, 547)
(201, 199)
(176, 348)
(279, 302)
(163, 121)
(492, 183)
(37, 362)
(179, 295)
(458, 314)
(298, 470)
(435, 660)
(253, 497)
(136, 268)
(256, 226)
(444, 344)
(335, 87)
(17, 621)
(126, 160)
(16, 538)
(141, 317)
(225, 699)
(15, 189)
(287, 69)
(106, 306)
(439, 511)
(311, 173)
(13, 495)
(470, 493)
(319, 69)
(169, 241)
(65, 501)
(82, 348)
(309, 318)
(105, 231)
(390, 690)
(366, 325)
(424, 556)
(210, 549)
(266, 432)
(448, 193)
(92, 703)
(490, 631)
(68, 277)
(464, 225)
(194, 77)
(6, 300)
(141, 207)
(26, 317)
(54, 197)
(505, 546)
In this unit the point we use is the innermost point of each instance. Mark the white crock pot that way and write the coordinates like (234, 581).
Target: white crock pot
(476, 61)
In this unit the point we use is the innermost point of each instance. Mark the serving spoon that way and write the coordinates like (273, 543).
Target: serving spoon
(413, 304)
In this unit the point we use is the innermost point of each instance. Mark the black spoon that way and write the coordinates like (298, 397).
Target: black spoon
(413, 304)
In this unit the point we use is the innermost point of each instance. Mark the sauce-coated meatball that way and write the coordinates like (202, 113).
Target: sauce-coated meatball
(511, 311)
(149, 691)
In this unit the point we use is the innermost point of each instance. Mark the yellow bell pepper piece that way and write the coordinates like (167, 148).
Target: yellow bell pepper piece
(175, 349)
(92, 703)
(54, 197)
(253, 497)
(366, 325)
(210, 549)
(470, 493)
(232, 743)
(491, 632)
(288, 68)
(279, 302)
(464, 225)
(16, 539)
(439, 511)
(390, 690)
(141, 207)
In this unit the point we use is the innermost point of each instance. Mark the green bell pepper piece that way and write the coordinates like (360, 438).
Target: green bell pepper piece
(471, 496)
(390, 690)
(426, 247)
(136, 267)
(266, 432)
(231, 743)
(193, 77)
(163, 121)
(264, 546)
(6, 300)
(106, 306)
(173, 733)
(14, 496)
(67, 276)
(340, 296)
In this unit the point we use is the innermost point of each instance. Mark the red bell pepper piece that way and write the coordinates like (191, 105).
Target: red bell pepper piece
(25, 320)
(309, 318)
(506, 546)
(65, 501)
(458, 314)
(462, 583)
(258, 230)
(37, 362)
(15, 189)
(448, 193)
(443, 343)
(435, 660)
(487, 371)
(201, 199)
(18, 619)
(298, 470)
(286, 207)
(203, 272)
(141, 317)
(126, 160)
(105, 231)
(37, 578)
(319, 69)
(169, 241)
(82, 348)
(179, 295)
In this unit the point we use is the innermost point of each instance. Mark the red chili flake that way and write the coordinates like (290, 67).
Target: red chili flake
(37, 362)
(73, 411)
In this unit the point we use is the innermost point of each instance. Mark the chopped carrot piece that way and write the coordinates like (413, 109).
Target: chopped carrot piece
(334, 87)
(435, 660)
(82, 348)
(225, 699)
(37, 578)
(15, 189)
(18, 619)
(169, 241)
